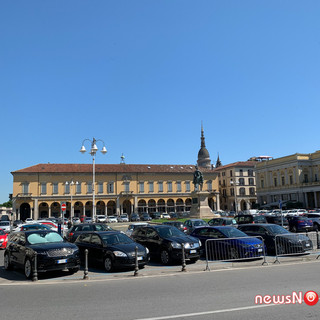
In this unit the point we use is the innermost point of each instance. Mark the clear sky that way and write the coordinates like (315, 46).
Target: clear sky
(142, 75)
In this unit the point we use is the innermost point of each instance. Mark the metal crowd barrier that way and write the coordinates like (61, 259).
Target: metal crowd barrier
(234, 249)
(296, 244)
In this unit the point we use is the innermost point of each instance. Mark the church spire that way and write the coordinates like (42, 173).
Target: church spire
(218, 163)
(203, 154)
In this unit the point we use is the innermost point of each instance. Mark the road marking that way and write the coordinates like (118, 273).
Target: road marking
(197, 314)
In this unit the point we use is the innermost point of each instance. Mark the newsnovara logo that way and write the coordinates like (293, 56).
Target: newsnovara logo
(310, 298)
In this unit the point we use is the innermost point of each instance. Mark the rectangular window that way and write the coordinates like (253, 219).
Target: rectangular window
(291, 179)
(251, 182)
(224, 192)
(127, 186)
(141, 187)
(151, 188)
(111, 187)
(282, 181)
(316, 177)
(160, 186)
(89, 187)
(43, 188)
(55, 188)
(178, 186)
(250, 173)
(262, 183)
(306, 179)
(251, 191)
(25, 187)
(78, 188)
(275, 182)
(209, 185)
(67, 188)
(169, 184)
(187, 186)
(100, 187)
(232, 192)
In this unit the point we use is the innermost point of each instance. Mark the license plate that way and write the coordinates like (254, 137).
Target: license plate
(140, 258)
(260, 250)
(193, 251)
(307, 244)
(62, 261)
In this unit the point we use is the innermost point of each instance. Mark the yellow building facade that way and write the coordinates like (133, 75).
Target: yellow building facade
(39, 190)
(293, 178)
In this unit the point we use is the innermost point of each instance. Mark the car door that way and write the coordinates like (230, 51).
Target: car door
(21, 249)
(96, 249)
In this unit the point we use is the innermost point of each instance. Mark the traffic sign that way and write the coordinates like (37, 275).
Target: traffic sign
(63, 207)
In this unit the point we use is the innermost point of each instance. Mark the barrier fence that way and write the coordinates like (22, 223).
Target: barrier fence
(297, 244)
(234, 249)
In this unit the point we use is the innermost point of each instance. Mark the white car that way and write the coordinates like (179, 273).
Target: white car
(101, 218)
(29, 220)
(123, 218)
(5, 226)
(112, 219)
(165, 216)
(135, 225)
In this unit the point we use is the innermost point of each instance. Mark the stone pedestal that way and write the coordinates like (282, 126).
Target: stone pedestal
(199, 207)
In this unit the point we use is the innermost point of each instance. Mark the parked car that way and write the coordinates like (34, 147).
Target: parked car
(78, 229)
(32, 226)
(113, 250)
(249, 218)
(279, 220)
(49, 224)
(17, 223)
(145, 217)
(165, 242)
(87, 220)
(230, 243)
(165, 215)
(134, 217)
(299, 223)
(173, 215)
(191, 224)
(4, 217)
(82, 218)
(155, 215)
(135, 225)
(5, 226)
(289, 242)
(53, 253)
(3, 239)
(112, 219)
(178, 224)
(223, 222)
(75, 220)
(29, 220)
(315, 218)
(101, 218)
(123, 218)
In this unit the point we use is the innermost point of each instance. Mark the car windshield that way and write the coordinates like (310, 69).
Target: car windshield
(232, 232)
(45, 237)
(4, 223)
(168, 232)
(275, 229)
(198, 223)
(102, 227)
(35, 227)
(111, 239)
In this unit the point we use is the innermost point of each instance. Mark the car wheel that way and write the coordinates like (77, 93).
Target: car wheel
(6, 262)
(28, 268)
(165, 258)
(233, 254)
(108, 264)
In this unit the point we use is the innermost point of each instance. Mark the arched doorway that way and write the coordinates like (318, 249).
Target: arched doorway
(43, 210)
(55, 210)
(78, 209)
(88, 208)
(111, 208)
(170, 206)
(100, 208)
(161, 206)
(188, 204)
(180, 205)
(142, 206)
(25, 211)
(126, 207)
(152, 206)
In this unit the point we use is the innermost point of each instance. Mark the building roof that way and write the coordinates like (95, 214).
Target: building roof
(237, 164)
(109, 168)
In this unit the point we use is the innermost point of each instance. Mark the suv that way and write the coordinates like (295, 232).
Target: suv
(165, 242)
(249, 218)
(145, 217)
(78, 229)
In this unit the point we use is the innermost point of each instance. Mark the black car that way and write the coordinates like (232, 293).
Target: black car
(275, 235)
(76, 230)
(155, 215)
(111, 249)
(53, 253)
(223, 222)
(249, 218)
(191, 224)
(134, 217)
(165, 242)
(178, 224)
(145, 217)
(279, 220)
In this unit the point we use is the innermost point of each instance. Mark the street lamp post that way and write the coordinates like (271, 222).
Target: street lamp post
(235, 184)
(71, 183)
(93, 152)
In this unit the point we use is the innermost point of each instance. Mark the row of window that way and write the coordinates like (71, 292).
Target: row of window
(110, 187)
(241, 182)
(242, 192)
(250, 173)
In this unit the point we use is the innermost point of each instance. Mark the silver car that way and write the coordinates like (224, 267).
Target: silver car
(5, 226)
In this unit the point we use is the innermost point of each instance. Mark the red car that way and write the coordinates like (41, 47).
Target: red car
(3, 239)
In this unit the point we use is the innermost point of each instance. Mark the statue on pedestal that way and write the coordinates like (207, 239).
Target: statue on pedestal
(197, 179)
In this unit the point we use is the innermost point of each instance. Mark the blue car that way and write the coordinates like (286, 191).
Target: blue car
(228, 243)
(298, 223)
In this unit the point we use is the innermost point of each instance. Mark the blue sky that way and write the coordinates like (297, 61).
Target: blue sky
(142, 75)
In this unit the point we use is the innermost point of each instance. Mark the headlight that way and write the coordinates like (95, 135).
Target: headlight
(175, 245)
(147, 250)
(119, 254)
(1, 240)
(187, 245)
(197, 244)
